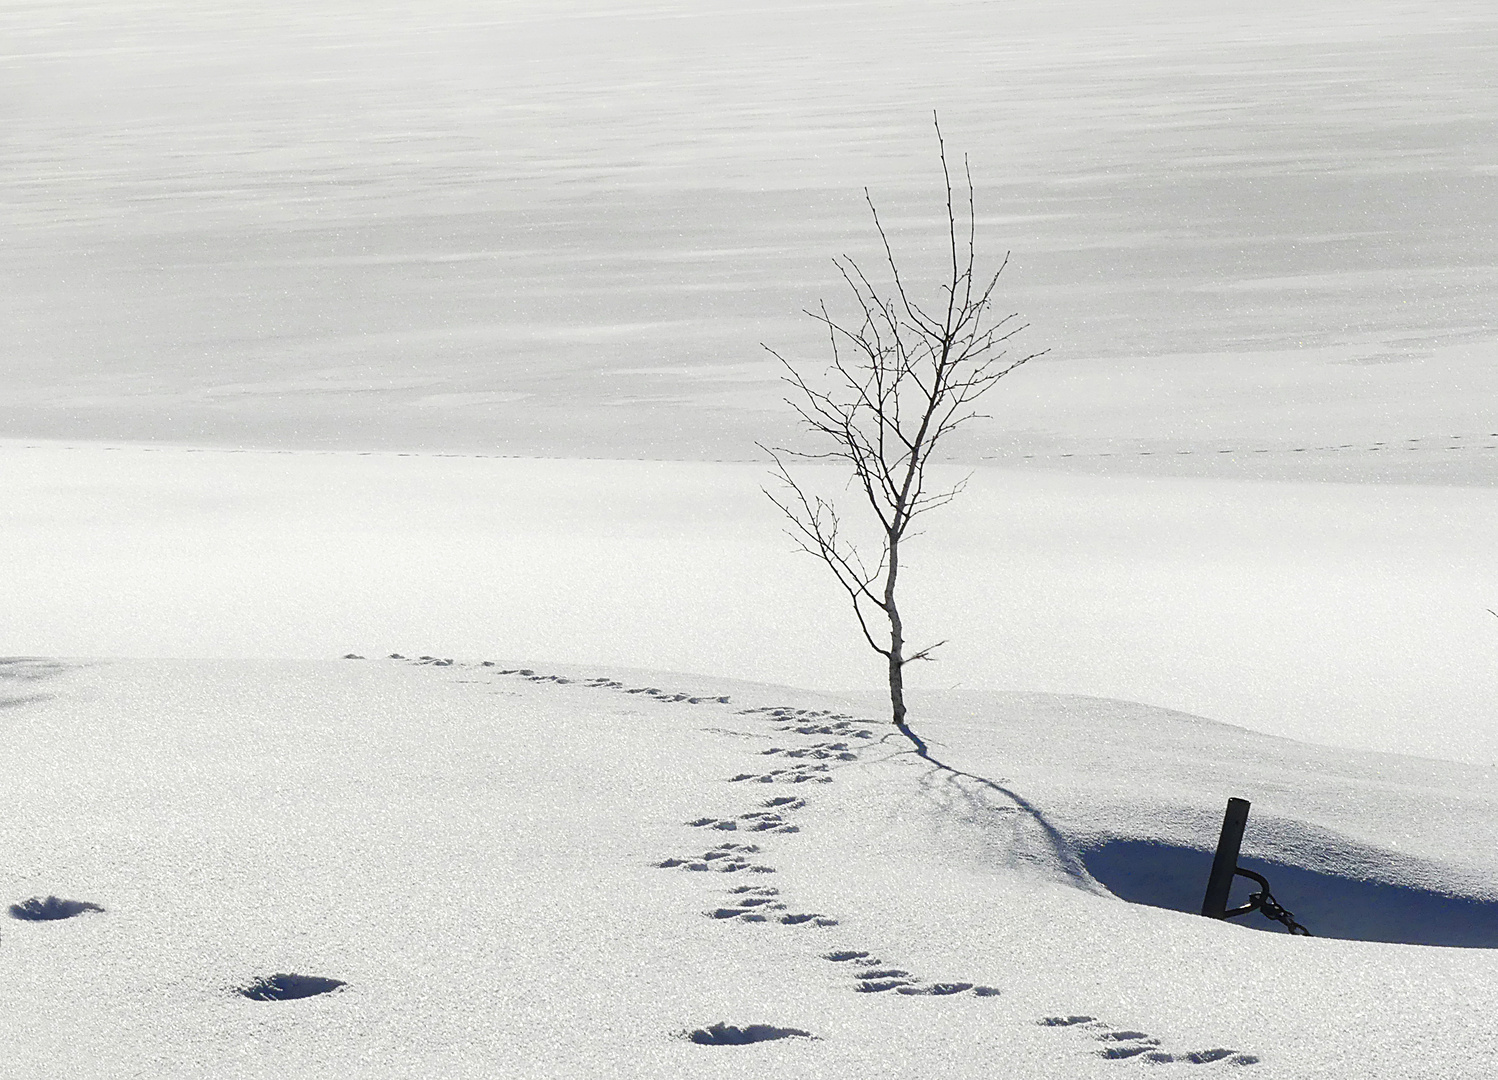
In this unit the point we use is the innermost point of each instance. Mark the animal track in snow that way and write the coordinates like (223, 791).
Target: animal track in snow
(724, 859)
(286, 987)
(50, 910)
(788, 712)
(721, 1034)
(795, 774)
(756, 820)
(602, 682)
(752, 904)
(812, 919)
(1447, 443)
(836, 750)
(937, 989)
(766, 823)
(748, 903)
(530, 676)
(760, 903)
(812, 721)
(1123, 1044)
(844, 730)
(873, 976)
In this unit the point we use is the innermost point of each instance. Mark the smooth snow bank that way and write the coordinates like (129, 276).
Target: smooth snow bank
(500, 867)
(1352, 614)
(1358, 845)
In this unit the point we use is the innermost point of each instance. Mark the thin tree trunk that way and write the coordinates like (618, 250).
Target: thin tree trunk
(896, 636)
(897, 652)
(896, 677)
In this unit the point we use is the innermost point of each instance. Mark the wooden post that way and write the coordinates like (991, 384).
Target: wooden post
(1225, 864)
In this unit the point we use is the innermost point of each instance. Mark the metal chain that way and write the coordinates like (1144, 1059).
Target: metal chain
(1266, 903)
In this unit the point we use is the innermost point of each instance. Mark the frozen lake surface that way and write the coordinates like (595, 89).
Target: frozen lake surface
(564, 229)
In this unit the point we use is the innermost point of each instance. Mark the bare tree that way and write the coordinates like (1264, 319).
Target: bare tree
(904, 375)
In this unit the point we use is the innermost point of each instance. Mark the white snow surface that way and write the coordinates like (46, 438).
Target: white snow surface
(288, 287)
(476, 856)
(1351, 614)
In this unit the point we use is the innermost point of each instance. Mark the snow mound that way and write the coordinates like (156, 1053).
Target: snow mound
(1331, 904)
(1356, 845)
(540, 871)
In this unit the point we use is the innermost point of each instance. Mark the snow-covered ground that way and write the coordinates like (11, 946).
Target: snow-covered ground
(1344, 613)
(566, 872)
(434, 329)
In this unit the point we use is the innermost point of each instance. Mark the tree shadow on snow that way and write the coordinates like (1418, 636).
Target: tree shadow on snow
(1036, 841)
(1350, 906)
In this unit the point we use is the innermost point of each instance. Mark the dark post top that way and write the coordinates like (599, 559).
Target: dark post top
(1226, 862)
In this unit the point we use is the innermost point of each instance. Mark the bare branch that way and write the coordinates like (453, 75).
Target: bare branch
(925, 654)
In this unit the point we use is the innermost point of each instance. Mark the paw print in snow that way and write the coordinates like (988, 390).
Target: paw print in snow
(875, 977)
(812, 722)
(796, 774)
(837, 751)
(766, 820)
(1123, 1045)
(723, 859)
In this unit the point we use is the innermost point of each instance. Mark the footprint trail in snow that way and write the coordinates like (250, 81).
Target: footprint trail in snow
(840, 737)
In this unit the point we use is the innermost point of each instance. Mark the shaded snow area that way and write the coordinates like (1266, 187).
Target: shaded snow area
(416, 867)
